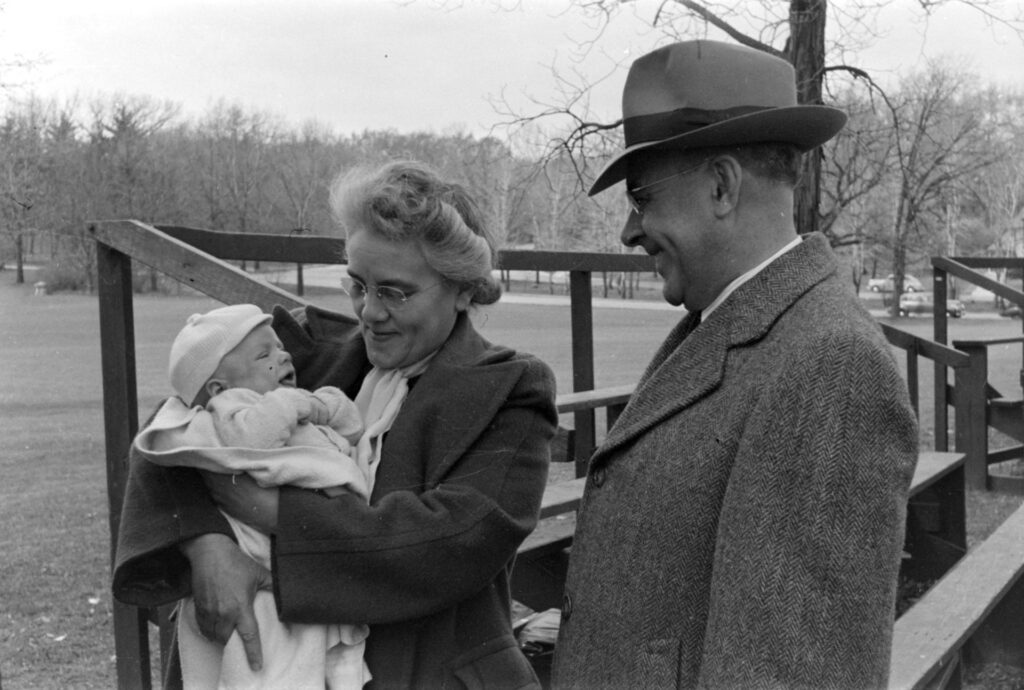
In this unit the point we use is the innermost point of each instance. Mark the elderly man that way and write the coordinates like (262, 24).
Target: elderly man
(743, 521)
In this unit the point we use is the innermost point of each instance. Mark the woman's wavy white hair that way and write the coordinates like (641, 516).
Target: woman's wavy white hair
(405, 200)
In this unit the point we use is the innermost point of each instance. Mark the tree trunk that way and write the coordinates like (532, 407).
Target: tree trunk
(806, 50)
(19, 274)
(899, 267)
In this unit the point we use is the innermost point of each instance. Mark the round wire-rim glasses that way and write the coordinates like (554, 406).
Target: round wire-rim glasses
(390, 297)
(631, 193)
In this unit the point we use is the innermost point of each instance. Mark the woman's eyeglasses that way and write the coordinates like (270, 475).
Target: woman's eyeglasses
(390, 297)
(631, 193)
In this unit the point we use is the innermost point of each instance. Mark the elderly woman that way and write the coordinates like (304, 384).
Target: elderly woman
(458, 432)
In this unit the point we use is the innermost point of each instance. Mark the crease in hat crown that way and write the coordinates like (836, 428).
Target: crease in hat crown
(704, 93)
(204, 340)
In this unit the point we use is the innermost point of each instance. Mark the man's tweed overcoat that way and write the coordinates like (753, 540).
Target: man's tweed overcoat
(743, 522)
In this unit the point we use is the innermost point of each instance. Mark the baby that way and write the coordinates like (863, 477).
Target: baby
(237, 410)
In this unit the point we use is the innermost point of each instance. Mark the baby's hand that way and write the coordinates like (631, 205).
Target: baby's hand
(319, 412)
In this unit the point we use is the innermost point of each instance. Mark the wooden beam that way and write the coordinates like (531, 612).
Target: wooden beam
(314, 249)
(582, 317)
(592, 399)
(252, 246)
(193, 267)
(517, 260)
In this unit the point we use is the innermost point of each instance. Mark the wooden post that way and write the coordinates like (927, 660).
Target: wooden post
(582, 365)
(120, 422)
(941, 378)
(913, 379)
(971, 423)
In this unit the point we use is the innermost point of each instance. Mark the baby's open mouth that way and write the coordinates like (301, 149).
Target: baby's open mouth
(288, 379)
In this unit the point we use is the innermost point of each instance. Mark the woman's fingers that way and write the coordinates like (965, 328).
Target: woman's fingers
(224, 585)
(249, 632)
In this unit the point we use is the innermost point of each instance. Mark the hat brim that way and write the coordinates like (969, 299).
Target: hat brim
(804, 126)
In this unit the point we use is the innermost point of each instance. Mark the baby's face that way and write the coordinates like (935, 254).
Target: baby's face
(259, 363)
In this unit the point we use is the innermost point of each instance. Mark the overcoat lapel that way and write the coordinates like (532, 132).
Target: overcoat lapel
(686, 369)
(449, 407)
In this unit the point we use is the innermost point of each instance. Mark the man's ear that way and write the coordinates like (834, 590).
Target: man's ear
(728, 179)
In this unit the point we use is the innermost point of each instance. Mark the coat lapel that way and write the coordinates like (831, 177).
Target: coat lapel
(448, 408)
(686, 369)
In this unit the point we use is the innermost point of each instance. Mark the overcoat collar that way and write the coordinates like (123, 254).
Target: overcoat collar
(688, 368)
(449, 406)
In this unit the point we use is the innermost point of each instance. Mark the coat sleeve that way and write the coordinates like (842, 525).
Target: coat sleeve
(412, 553)
(163, 507)
(811, 532)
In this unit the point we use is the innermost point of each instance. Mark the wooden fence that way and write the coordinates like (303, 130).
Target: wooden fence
(197, 258)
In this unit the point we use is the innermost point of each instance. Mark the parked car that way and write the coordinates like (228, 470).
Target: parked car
(910, 284)
(924, 303)
(955, 308)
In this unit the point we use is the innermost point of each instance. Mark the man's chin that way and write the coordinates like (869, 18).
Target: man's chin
(671, 296)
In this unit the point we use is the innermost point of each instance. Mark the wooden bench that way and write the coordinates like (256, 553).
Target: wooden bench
(975, 612)
(936, 530)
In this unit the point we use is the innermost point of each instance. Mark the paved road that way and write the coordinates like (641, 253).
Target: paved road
(330, 276)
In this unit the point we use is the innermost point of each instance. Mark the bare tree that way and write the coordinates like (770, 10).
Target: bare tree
(995, 199)
(855, 165)
(303, 164)
(21, 179)
(941, 139)
(795, 30)
(232, 154)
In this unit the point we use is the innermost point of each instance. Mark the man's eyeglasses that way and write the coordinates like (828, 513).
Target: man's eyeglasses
(631, 193)
(391, 297)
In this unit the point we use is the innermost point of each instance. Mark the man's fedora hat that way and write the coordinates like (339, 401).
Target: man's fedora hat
(708, 93)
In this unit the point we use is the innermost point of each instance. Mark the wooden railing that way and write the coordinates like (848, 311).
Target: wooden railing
(967, 396)
(1002, 413)
(197, 258)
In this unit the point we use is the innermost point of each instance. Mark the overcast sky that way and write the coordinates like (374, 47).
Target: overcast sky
(375, 64)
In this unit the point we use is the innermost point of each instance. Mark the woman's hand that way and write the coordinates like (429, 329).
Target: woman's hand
(243, 499)
(224, 584)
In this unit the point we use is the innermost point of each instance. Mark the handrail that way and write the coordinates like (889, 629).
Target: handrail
(968, 396)
(964, 268)
(960, 267)
(193, 267)
(943, 354)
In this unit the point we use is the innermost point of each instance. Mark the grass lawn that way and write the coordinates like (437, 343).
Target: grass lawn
(55, 608)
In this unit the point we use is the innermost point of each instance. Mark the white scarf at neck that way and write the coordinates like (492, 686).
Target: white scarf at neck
(379, 400)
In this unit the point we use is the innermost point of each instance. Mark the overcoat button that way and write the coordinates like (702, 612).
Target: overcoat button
(566, 606)
(599, 477)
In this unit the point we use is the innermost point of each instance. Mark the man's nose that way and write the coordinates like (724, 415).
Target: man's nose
(631, 231)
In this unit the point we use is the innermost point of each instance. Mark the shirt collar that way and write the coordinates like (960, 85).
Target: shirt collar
(734, 285)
